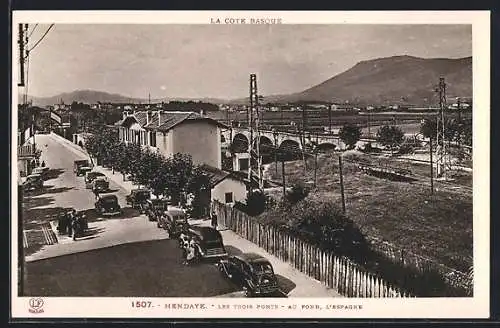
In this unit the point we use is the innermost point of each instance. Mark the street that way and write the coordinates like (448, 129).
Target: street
(126, 255)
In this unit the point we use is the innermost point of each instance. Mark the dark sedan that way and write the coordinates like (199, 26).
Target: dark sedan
(252, 272)
(208, 241)
(108, 205)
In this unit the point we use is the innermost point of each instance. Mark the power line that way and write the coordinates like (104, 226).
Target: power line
(33, 30)
(40, 40)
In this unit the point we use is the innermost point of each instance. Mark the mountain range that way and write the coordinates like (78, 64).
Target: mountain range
(390, 80)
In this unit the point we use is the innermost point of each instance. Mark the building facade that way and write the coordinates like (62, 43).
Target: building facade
(174, 132)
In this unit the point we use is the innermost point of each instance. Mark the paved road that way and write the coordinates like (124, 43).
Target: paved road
(132, 229)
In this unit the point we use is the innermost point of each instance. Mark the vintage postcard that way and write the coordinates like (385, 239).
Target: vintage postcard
(250, 164)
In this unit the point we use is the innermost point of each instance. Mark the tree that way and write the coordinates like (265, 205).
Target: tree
(390, 136)
(428, 128)
(255, 203)
(296, 194)
(350, 135)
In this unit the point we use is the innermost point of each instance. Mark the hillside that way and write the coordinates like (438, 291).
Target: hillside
(391, 80)
(92, 96)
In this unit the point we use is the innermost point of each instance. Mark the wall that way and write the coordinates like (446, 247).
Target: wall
(164, 143)
(238, 188)
(199, 139)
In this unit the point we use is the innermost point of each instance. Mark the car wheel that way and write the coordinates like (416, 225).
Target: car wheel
(247, 292)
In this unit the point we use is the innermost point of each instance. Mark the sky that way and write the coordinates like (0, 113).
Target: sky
(216, 60)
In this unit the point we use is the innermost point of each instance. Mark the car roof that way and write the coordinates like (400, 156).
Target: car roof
(109, 197)
(94, 172)
(140, 190)
(175, 211)
(205, 231)
(34, 175)
(251, 257)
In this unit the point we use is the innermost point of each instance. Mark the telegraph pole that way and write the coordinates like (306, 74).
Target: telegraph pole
(20, 41)
(330, 119)
(441, 170)
(283, 176)
(432, 166)
(254, 128)
(341, 183)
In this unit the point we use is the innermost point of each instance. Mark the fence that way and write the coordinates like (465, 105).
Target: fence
(405, 258)
(335, 271)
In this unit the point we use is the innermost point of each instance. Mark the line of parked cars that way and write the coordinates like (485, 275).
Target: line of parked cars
(34, 181)
(252, 272)
(107, 204)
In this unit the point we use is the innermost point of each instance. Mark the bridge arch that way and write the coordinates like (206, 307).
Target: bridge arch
(289, 150)
(239, 143)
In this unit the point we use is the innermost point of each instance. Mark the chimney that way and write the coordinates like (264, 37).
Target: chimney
(148, 117)
(159, 117)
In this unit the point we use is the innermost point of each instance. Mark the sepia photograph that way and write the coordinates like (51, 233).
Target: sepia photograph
(249, 163)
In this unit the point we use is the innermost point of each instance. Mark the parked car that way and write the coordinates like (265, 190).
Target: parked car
(33, 182)
(154, 208)
(91, 176)
(80, 163)
(208, 241)
(138, 198)
(108, 205)
(100, 185)
(252, 272)
(41, 171)
(174, 220)
(82, 170)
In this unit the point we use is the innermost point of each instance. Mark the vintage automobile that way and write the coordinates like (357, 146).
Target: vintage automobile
(91, 176)
(100, 185)
(138, 198)
(174, 220)
(208, 241)
(33, 182)
(154, 208)
(82, 170)
(80, 163)
(108, 205)
(41, 171)
(252, 272)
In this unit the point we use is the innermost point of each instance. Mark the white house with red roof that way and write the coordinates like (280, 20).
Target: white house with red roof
(175, 132)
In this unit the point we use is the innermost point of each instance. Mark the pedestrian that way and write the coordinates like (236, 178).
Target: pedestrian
(214, 220)
(60, 223)
(191, 252)
(71, 219)
(76, 227)
(96, 193)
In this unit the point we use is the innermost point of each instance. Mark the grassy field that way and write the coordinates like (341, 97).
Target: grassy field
(404, 214)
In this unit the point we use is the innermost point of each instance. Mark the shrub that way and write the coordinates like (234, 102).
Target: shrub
(255, 203)
(296, 194)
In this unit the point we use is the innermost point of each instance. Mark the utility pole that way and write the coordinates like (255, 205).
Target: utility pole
(341, 183)
(283, 177)
(432, 166)
(254, 128)
(20, 41)
(316, 163)
(330, 119)
(275, 135)
(302, 137)
(441, 144)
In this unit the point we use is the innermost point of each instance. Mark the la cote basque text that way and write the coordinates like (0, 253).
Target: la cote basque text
(232, 20)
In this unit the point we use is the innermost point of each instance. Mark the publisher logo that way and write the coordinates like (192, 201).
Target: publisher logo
(36, 305)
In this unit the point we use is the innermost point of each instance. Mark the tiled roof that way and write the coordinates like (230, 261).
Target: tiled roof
(168, 119)
(215, 175)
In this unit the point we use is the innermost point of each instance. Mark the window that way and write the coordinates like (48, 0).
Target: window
(229, 197)
(152, 140)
